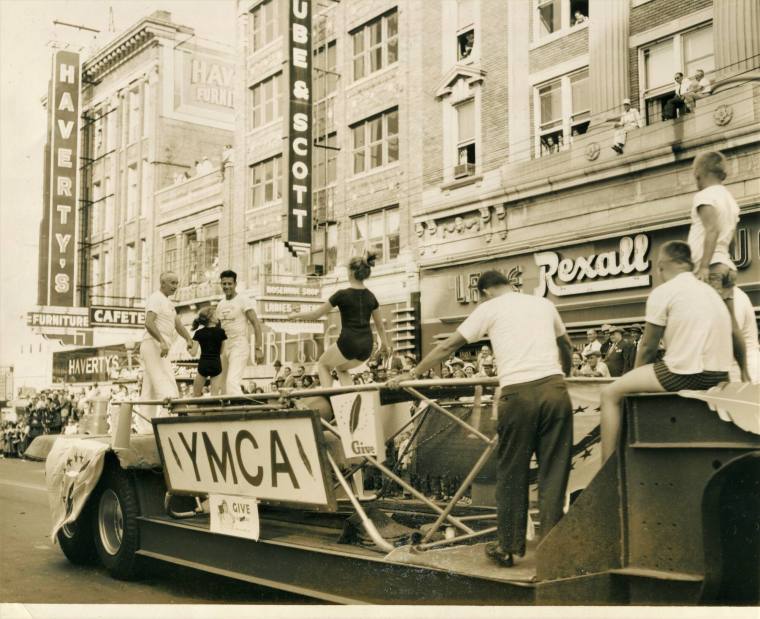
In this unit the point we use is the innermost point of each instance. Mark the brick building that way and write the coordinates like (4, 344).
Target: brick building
(518, 173)
(367, 169)
(157, 111)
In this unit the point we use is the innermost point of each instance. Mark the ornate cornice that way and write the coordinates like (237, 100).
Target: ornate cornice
(472, 74)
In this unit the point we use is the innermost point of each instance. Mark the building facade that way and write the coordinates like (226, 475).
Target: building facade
(158, 119)
(518, 170)
(366, 168)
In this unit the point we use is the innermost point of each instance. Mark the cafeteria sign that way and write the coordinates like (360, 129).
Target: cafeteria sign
(275, 457)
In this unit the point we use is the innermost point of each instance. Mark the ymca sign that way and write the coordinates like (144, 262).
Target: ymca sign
(60, 215)
(298, 218)
(274, 457)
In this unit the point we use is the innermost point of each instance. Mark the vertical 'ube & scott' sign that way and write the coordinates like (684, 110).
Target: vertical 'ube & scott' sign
(298, 217)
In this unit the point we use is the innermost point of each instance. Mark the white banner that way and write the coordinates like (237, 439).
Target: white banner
(269, 456)
(358, 423)
(234, 515)
(72, 471)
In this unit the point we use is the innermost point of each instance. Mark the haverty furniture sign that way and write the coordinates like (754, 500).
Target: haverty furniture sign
(275, 457)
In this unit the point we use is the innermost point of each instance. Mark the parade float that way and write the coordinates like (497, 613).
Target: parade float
(265, 489)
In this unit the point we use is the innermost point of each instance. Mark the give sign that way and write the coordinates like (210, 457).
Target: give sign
(276, 457)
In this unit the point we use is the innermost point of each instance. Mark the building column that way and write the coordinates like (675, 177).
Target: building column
(608, 55)
(736, 36)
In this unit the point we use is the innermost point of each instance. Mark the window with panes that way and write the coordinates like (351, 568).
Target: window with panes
(135, 118)
(375, 45)
(210, 249)
(264, 24)
(683, 52)
(133, 196)
(324, 249)
(375, 141)
(466, 153)
(556, 15)
(170, 254)
(266, 182)
(564, 111)
(266, 101)
(270, 257)
(324, 86)
(191, 258)
(131, 271)
(376, 232)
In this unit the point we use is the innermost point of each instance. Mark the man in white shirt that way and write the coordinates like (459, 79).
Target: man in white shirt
(696, 326)
(714, 215)
(235, 313)
(677, 102)
(592, 343)
(629, 120)
(699, 87)
(532, 353)
(161, 323)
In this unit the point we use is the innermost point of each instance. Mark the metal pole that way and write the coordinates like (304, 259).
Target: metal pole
(386, 471)
(467, 481)
(440, 409)
(455, 540)
(368, 525)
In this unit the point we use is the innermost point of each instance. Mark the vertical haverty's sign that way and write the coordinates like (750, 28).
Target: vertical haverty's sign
(63, 107)
(298, 218)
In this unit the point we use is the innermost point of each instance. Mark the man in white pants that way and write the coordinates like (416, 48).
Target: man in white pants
(235, 312)
(161, 322)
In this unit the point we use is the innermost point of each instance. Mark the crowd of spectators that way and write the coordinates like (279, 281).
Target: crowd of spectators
(609, 351)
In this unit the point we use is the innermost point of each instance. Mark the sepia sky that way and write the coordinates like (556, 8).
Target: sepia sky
(26, 29)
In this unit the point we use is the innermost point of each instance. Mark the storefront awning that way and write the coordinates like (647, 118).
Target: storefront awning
(295, 328)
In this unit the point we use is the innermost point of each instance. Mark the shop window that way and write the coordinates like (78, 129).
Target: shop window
(375, 45)
(375, 141)
(465, 44)
(376, 232)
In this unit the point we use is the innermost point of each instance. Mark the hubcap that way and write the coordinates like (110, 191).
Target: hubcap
(110, 522)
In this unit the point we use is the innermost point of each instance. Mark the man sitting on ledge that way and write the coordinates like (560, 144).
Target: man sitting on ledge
(698, 332)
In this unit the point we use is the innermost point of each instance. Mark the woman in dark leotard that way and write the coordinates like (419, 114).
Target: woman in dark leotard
(356, 305)
(210, 338)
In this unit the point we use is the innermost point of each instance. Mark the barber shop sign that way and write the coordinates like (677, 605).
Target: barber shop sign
(627, 266)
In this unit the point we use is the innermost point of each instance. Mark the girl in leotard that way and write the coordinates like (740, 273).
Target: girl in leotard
(356, 305)
(210, 338)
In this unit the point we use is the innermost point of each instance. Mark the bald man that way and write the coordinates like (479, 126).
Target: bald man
(161, 322)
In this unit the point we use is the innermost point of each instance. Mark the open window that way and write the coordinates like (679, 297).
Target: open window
(466, 150)
(465, 44)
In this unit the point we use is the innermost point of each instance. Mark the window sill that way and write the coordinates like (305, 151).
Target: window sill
(263, 207)
(461, 182)
(554, 36)
(368, 78)
(363, 175)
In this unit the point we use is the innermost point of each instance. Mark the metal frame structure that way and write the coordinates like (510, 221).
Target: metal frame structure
(211, 405)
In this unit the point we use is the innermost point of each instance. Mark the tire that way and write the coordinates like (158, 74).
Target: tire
(76, 540)
(114, 524)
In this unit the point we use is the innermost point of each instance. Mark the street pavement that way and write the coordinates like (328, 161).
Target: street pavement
(34, 571)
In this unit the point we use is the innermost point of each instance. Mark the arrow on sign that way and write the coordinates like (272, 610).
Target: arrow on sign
(62, 262)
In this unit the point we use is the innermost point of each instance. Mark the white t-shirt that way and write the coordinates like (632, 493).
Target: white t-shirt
(231, 313)
(745, 318)
(697, 325)
(727, 210)
(591, 347)
(163, 308)
(523, 330)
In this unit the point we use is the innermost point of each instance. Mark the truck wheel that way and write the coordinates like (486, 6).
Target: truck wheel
(115, 528)
(76, 539)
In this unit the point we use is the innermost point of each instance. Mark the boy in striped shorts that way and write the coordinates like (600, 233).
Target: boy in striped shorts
(700, 341)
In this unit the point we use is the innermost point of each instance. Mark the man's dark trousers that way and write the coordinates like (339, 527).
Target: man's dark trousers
(535, 417)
